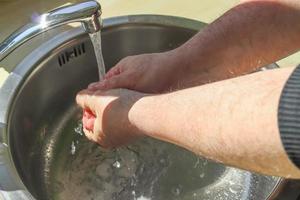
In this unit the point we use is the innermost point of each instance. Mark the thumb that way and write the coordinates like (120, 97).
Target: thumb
(113, 72)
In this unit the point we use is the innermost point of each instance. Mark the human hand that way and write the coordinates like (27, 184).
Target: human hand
(105, 116)
(151, 73)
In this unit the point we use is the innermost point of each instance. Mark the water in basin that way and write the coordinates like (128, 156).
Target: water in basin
(146, 169)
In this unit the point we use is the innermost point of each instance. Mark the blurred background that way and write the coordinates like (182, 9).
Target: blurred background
(15, 13)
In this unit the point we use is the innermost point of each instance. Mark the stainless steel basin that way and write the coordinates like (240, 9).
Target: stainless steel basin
(42, 157)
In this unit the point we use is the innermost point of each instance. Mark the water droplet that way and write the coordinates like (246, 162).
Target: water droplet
(143, 198)
(117, 164)
(73, 148)
(197, 163)
(207, 192)
(176, 191)
(232, 191)
(202, 175)
(231, 182)
(78, 129)
(231, 72)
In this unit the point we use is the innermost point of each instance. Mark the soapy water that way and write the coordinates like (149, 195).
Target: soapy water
(147, 169)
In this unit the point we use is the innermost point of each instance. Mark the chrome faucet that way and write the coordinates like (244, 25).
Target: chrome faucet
(88, 13)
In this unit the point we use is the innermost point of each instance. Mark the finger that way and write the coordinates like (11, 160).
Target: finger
(88, 134)
(97, 129)
(86, 100)
(113, 72)
(101, 137)
(106, 83)
(118, 81)
(93, 133)
(95, 85)
(97, 135)
(88, 120)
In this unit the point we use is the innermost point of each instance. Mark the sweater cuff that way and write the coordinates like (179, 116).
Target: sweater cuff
(289, 117)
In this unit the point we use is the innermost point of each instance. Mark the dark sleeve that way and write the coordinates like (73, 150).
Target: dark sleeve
(289, 117)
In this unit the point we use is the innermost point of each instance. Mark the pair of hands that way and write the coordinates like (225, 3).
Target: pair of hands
(106, 106)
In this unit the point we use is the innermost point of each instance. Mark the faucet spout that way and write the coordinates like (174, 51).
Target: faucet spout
(93, 24)
(88, 13)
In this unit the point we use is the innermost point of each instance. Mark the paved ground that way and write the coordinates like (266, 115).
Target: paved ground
(14, 13)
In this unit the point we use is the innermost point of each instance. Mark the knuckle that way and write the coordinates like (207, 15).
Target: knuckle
(127, 59)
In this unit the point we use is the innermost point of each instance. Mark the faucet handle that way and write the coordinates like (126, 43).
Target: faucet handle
(88, 13)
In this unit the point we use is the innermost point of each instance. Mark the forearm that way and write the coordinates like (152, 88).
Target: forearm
(232, 121)
(250, 35)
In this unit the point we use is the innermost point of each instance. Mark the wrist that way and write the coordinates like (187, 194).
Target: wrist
(179, 58)
(176, 63)
(144, 114)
